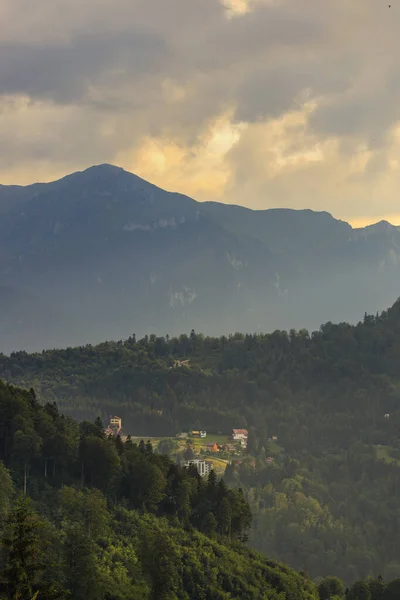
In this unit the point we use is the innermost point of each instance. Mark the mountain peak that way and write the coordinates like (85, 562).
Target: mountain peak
(381, 227)
(104, 176)
(103, 168)
(95, 171)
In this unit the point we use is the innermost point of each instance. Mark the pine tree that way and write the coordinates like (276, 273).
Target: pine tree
(128, 442)
(224, 517)
(252, 445)
(99, 426)
(119, 444)
(23, 553)
(6, 489)
(80, 564)
(162, 565)
(212, 480)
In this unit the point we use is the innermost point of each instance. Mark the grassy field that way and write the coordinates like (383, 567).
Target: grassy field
(384, 453)
(274, 448)
(219, 464)
(199, 444)
(202, 442)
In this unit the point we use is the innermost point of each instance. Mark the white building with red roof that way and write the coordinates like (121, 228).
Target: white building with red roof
(240, 434)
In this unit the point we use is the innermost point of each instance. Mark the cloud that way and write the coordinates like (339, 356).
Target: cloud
(302, 98)
(200, 169)
(66, 72)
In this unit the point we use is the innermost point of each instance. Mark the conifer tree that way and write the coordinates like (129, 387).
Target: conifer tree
(23, 562)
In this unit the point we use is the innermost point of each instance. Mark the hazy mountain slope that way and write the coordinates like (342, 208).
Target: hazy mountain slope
(113, 254)
(336, 269)
(290, 232)
(26, 316)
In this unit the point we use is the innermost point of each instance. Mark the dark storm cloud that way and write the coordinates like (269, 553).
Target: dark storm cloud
(63, 72)
(98, 76)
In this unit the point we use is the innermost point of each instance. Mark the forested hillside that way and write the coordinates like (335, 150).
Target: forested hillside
(329, 501)
(330, 388)
(88, 517)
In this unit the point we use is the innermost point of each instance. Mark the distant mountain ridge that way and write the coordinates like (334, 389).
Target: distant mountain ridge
(102, 253)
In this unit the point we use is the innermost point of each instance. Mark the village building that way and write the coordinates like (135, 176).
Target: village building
(240, 434)
(231, 448)
(201, 434)
(203, 466)
(114, 427)
(213, 447)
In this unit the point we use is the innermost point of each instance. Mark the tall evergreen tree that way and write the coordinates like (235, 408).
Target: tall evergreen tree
(23, 558)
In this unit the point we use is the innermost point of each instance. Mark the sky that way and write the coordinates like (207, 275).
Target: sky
(263, 103)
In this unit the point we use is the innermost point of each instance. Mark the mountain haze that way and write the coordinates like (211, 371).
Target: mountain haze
(102, 253)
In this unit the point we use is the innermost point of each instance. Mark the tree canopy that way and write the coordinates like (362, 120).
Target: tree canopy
(85, 517)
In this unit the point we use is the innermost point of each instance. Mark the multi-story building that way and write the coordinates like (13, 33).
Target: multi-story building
(115, 425)
(203, 466)
(240, 434)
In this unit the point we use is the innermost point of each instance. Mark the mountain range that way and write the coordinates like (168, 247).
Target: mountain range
(102, 254)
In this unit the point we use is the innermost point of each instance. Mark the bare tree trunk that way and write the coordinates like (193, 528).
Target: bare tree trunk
(45, 467)
(25, 478)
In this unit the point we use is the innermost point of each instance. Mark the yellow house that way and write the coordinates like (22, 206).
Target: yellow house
(115, 423)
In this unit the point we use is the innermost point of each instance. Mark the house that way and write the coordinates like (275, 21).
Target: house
(230, 448)
(201, 434)
(213, 447)
(240, 434)
(274, 438)
(203, 466)
(115, 425)
(116, 422)
(269, 460)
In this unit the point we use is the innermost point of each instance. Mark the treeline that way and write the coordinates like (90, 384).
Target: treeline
(331, 387)
(84, 516)
(331, 588)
